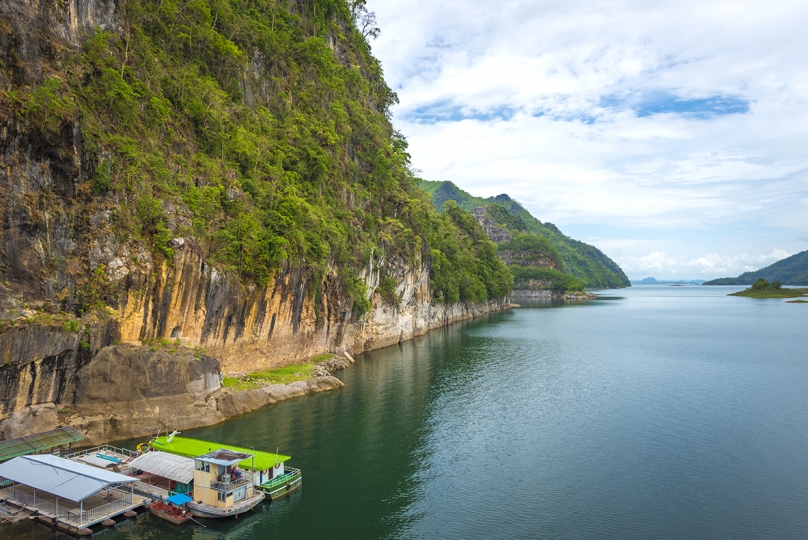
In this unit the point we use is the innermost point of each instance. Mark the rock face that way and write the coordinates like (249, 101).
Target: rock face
(495, 232)
(249, 328)
(122, 391)
(554, 294)
(59, 254)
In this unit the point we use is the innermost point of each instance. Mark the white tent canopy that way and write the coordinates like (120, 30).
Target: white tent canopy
(61, 477)
(177, 468)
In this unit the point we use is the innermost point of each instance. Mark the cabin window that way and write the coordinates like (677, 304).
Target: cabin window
(222, 497)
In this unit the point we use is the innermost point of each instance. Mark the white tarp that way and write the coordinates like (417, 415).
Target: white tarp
(177, 468)
(60, 477)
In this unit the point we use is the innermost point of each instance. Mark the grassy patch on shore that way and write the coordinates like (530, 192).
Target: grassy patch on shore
(284, 375)
(797, 302)
(763, 289)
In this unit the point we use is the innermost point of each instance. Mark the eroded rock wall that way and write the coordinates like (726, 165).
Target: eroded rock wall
(249, 328)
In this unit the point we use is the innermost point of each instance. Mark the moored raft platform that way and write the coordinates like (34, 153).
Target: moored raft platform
(69, 495)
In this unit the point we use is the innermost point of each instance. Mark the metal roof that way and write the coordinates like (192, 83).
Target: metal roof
(173, 467)
(60, 477)
(224, 456)
(39, 442)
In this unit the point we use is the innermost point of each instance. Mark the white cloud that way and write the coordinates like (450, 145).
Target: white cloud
(709, 265)
(550, 102)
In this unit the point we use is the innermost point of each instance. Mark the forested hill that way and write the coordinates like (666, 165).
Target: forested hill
(790, 271)
(257, 131)
(586, 263)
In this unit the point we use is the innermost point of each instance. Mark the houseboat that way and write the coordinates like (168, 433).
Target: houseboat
(220, 488)
(266, 470)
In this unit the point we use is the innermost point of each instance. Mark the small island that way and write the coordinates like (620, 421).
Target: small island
(763, 289)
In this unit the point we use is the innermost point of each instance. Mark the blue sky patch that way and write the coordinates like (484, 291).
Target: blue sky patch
(447, 111)
(664, 103)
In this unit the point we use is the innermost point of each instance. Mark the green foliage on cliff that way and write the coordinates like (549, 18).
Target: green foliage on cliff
(387, 290)
(262, 129)
(790, 271)
(587, 263)
(532, 243)
(465, 265)
(550, 277)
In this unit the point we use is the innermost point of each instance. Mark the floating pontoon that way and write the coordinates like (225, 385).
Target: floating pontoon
(71, 495)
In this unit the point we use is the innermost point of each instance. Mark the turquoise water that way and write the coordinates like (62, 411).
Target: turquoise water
(653, 412)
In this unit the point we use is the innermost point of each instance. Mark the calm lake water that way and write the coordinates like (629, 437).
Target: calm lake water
(653, 412)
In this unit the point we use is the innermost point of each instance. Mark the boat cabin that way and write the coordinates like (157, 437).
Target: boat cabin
(218, 481)
(163, 474)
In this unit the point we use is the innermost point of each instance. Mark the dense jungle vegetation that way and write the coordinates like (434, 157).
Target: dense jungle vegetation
(262, 129)
(587, 264)
(790, 271)
(528, 256)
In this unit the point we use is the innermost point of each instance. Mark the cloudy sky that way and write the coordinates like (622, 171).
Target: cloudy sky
(673, 135)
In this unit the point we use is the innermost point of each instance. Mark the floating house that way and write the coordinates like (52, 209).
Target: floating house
(220, 488)
(266, 470)
(73, 496)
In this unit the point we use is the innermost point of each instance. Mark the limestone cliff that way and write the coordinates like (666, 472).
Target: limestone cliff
(85, 303)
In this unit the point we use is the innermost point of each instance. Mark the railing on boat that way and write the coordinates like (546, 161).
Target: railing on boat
(288, 476)
(104, 448)
(79, 517)
(229, 486)
(97, 514)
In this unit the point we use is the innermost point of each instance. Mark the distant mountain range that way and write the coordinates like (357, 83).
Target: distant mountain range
(790, 271)
(653, 281)
(586, 263)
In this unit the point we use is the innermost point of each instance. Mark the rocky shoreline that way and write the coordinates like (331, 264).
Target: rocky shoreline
(552, 294)
(112, 391)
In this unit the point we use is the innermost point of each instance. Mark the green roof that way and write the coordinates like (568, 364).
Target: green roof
(39, 442)
(194, 448)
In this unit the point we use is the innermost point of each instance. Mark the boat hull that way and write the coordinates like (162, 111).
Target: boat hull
(163, 511)
(283, 486)
(211, 512)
